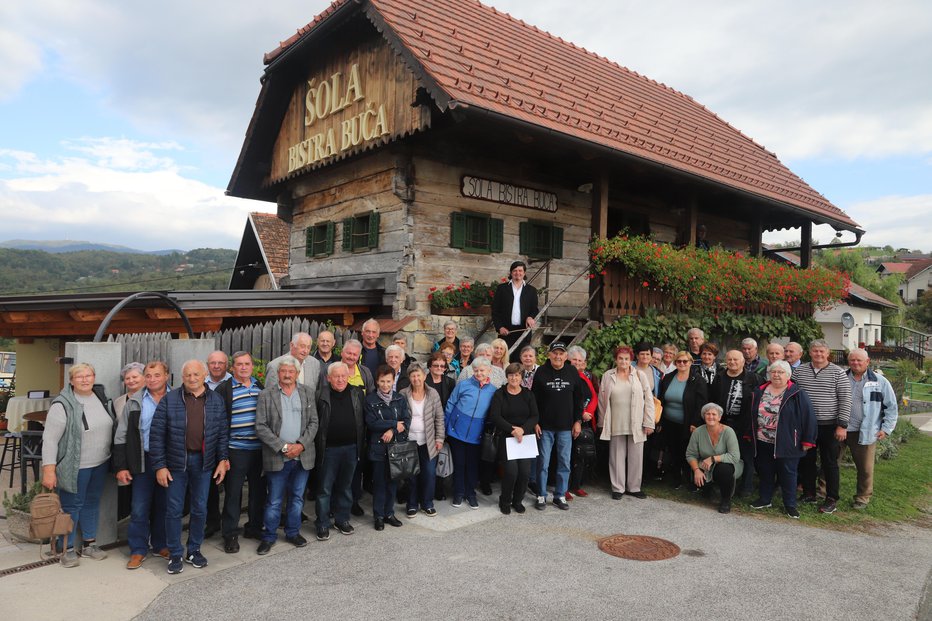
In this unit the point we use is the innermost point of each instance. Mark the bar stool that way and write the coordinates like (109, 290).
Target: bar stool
(11, 446)
(30, 454)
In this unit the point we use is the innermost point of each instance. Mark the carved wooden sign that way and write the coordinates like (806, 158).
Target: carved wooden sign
(501, 192)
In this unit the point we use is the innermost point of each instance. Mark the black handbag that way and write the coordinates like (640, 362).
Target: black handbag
(489, 449)
(403, 462)
(585, 444)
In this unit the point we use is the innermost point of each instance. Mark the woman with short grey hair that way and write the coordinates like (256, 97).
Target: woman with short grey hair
(714, 455)
(449, 336)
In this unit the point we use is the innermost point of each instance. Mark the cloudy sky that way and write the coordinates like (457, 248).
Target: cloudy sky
(120, 122)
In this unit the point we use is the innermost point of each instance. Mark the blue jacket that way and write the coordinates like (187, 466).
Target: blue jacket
(880, 409)
(466, 410)
(381, 416)
(170, 422)
(796, 426)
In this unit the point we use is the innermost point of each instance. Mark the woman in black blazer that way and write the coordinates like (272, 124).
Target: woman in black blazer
(682, 394)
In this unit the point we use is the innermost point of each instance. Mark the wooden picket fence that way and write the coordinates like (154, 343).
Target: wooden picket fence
(264, 341)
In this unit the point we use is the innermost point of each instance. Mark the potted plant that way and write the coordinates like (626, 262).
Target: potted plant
(17, 512)
(464, 299)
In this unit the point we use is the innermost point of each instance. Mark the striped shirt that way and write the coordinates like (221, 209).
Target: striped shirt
(243, 416)
(830, 392)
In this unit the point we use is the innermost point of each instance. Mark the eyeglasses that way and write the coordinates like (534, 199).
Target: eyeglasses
(684, 362)
(438, 366)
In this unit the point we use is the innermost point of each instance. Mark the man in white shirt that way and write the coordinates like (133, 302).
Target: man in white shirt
(514, 307)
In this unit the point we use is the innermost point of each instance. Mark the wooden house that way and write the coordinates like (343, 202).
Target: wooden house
(415, 143)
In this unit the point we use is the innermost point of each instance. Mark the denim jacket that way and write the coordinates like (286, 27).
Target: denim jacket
(880, 408)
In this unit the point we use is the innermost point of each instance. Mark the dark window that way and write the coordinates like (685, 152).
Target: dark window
(320, 239)
(476, 232)
(361, 232)
(540, 240)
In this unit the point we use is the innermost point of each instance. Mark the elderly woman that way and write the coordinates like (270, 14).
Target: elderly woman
(465, 354)
(626, 413)
(784, 427)
(499, 353)
(514, 413)
(681, 394)
(714, 456)
(133, 377)
(708, 362)
(496, 374)
(449, 336)
(465, 419)
(579, 463)
(528, 360)
(75, 456)
(451, 363)
(394, 358)
(427, 429)
(437, 377)
(388, 419)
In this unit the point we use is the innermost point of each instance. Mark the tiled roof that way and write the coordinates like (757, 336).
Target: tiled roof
(917, 266)
(274, 236)
(857, 291)
(895, 268)
(471, 55)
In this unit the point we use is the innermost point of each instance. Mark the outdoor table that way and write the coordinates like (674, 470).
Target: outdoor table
(18, 407)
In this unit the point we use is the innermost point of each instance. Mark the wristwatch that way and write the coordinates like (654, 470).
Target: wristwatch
(285, 448)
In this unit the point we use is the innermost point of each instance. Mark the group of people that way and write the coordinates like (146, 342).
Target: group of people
(322, 425)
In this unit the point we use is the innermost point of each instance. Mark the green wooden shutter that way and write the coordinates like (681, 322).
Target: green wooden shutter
(524, 238)
(347, 233)
(331, 233)
(373, 230)
(457, 230)
(496, 235)
(309, 241)
(556, 243)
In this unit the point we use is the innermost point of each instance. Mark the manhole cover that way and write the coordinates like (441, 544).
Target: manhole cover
(639, 547)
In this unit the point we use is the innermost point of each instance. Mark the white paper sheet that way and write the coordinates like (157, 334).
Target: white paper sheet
(521, 450)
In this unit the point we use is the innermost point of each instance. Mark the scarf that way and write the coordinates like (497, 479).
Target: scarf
(385, 396)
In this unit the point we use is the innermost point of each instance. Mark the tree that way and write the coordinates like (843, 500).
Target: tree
(919, 315)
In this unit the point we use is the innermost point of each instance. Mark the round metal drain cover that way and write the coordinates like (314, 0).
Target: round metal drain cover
(639, 547)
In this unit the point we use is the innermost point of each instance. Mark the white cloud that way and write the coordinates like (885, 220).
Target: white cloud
(900, 221)
(150, 205)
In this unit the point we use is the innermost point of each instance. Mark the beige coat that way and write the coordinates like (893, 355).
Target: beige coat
(434, 428)
(642, 404)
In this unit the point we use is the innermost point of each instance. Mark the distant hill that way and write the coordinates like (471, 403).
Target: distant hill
(70, 245)
(88, 271)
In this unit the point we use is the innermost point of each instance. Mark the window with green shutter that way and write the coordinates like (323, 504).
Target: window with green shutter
(320, 239)
(361, 232)
(540, 240)
(476, 232)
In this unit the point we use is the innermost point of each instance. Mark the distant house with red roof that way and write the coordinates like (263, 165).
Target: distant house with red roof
(409, 144)
(917, 280)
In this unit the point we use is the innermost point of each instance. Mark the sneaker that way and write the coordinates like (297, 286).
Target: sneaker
(345, 528)
(93, 552)
(410, 513)
(541, 503)
(792, 512)
(430, 512)
(264, 547)
(456, 502)
(323, 533)
(568, 496)
(135, 561)
(581, 493)
(561, 503)
(828, 506)
(809, 499)
(195, 559)
(473, 503)
(175, 566)
(298, 541)
(760, 504)
(859, 505)
(70, 558)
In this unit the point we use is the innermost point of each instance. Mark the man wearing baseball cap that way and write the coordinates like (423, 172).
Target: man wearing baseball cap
(514, 307)
(559, 393)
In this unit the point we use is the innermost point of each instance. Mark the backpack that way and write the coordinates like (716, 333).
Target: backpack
(47, 520)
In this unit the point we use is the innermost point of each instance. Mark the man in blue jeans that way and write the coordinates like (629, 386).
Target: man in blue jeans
(286, 423)
(559, 393)
(187, 442)
(340, 441)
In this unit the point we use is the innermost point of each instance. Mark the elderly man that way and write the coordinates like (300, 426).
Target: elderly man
(514, 307)
(794, 354)
(340, 442)
(217, 369)
(830, 391)
(752, 361)
(241, 396)
(324, 353)
(401, 340)
(359, 375)
(873, 417)
(286, 423)
(694, 340)
(188, 440)
(774, 352)
(372, 354)
(308, 366)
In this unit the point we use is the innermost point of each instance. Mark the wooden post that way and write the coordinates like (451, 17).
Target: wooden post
(691, 221)
(754, 236)
(805, 245)
(600, 229)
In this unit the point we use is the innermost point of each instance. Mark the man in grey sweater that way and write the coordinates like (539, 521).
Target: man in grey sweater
(830, 391)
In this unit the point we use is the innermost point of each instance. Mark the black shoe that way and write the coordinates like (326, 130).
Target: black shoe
(252, 534)
(792, 512)
(724, 507)
(304, 517)
(504, 508)
(393, 521)
(809, 499)
(617, 495)
(231, 544)
(541, 503)
(760, 504)
(264, 547)
(439, 495)
(411, 513)
(486, 489)
(357, 510)
(298, 541)
(640, 495)
(345, 528)
(518, 507)
(323, 533)
(379, 524)
(534, 487)
(196, 559)
(561, 503)
(210, 530)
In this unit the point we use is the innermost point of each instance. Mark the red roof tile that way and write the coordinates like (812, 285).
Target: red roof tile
(480, 57)
(896, 268)
(917, 266)
(274, 235)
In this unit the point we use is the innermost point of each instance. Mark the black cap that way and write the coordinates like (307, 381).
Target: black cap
(557, 345)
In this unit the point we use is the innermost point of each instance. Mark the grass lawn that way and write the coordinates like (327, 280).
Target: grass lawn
(902, 492)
